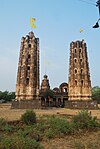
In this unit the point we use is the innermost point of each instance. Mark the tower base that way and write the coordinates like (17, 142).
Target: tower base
(26, 104)
(81, 104)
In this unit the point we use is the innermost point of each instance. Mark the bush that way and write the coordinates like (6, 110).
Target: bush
(58, 126)
(24, 132)
(16, 142)
(84, 120)
(29, 117)
(2, 122)
(50, 134)
(4, 126)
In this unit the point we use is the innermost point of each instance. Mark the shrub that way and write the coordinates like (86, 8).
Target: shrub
(5, 143)
(29, 117)
(58, 126)
(50, 133)
(24, 132)
(2, 122)
(4, 126)
(84, 120)
(16, 142)
(7, 128)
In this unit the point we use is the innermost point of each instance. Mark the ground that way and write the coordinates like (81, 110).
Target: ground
(84, 141)
(14, 114)
(79, 141)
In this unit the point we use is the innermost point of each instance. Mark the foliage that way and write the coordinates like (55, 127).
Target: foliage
(58, 126)
(29, 117)
(22, 136)
(96, 93)
(16, 142)
(24, 132)
(7, 96)
(50, 134)
(48, 93)
(2, 122)
(84, 120)
(4, 126)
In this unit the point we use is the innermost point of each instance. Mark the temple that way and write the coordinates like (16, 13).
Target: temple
(29, 94)
(27, 85)
(79, 83)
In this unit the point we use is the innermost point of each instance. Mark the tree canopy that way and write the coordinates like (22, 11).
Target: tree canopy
(96, 93)
(7, 96)
(48, 93)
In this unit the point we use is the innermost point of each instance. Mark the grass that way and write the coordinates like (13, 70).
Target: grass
(48, 128)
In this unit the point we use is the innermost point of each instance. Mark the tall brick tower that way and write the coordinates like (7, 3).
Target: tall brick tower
(79, 84)
(27, 85)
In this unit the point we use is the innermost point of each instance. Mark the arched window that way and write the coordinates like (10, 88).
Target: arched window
(29, 45)
(81, 60)
(81, 71)
(80, 50)
(28, 67)
(65, 90)
(82, 82)
(27, 81)
(75, 71)
(75, 60)
(29, 56)
(75, 82)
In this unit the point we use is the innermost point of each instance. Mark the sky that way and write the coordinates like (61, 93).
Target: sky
(57, 24)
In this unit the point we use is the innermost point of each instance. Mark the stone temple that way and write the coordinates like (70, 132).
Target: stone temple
(29, 94)
(27, 85)
(79, 84)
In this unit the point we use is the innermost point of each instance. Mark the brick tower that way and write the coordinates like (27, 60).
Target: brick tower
(79, 84)
(45, 83)
(27, 85)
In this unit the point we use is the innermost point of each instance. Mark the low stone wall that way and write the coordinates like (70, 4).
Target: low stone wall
(36, 104)
(76, 104)
(26, 104)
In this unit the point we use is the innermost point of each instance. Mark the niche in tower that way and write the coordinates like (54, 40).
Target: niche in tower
(27, 81)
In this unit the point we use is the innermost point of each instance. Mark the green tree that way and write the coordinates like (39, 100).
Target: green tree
(96, 93)
(7, 96)
(48, 93)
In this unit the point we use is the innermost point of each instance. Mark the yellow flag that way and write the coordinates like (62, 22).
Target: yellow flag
(81, 30)
(46, 63)
(32, 20)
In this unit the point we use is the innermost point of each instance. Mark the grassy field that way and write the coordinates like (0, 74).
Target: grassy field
(89, 140)
(49, 136)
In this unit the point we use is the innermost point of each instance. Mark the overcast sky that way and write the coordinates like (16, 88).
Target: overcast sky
(58, 23)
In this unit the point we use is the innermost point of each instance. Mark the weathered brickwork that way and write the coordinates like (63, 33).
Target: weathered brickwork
(45, 83)
(28, 91)
(79, 84)
(27, 86)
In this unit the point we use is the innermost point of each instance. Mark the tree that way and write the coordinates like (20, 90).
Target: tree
(96, 93)
(48, 93)
(7, 96)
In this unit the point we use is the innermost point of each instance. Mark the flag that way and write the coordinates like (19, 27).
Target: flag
(46, 63)
(81, 30)
(32, 20)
